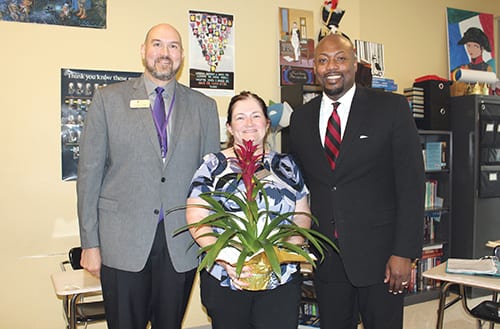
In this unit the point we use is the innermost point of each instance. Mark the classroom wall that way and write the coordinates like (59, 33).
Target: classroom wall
(38, 210)
(414, 34)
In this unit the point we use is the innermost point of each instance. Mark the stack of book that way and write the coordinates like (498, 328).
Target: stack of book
(308, 312)
(308, 321)
(430, 193)
(430, 223)
(415, 96)
(431, 257)
(431, 200)
(434, 154)
(384, 83)
(484, 265)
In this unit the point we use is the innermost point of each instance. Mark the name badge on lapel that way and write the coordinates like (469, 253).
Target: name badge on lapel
(139, 103)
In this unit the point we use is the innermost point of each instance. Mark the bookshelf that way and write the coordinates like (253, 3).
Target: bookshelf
(437, 153)
(296, 95)
(309, 315)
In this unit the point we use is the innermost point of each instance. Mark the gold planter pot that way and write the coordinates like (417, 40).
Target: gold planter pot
(261, 273)
(262, 270)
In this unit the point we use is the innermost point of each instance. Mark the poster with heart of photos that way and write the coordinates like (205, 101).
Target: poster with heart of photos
(211, 55)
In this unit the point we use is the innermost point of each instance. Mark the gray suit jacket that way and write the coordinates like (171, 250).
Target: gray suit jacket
(123, 181)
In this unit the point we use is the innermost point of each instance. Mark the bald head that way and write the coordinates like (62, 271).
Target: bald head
(162, 54)
(165, 28)
(337, 38)
(335, 65)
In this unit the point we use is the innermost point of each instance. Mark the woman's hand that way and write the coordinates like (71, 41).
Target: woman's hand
(238, 281)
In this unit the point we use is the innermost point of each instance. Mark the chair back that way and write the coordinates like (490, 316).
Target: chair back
(74, 255)
(76, 308)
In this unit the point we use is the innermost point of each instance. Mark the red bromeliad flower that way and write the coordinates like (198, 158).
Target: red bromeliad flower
(248, 161)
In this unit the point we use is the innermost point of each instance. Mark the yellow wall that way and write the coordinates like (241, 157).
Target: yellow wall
(414, 34)
(38, 211)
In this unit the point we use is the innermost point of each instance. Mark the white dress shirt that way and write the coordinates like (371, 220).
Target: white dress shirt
(326, 110)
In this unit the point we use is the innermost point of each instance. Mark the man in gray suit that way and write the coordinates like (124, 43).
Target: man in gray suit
(126, 182)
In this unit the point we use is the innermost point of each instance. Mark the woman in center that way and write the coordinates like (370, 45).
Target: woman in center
(223, 293)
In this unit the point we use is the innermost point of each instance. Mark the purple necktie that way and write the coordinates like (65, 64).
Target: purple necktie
(160, 121)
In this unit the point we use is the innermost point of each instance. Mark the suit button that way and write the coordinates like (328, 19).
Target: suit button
(334, 188)
(163, 179)
(156, 211)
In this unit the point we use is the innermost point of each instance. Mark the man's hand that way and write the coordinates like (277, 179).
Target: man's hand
(397, 273)
(91, 261)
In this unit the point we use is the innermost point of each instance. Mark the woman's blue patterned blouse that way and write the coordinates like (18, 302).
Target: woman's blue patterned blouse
(284, 186)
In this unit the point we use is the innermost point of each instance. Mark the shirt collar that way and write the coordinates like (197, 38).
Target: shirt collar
(150, 88)
(345, 101)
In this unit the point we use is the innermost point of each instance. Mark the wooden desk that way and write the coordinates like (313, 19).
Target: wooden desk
(72, 284)
(462, 280)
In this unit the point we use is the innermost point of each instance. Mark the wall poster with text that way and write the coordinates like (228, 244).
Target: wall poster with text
(79, 13)
(211, 53)
(77, 89)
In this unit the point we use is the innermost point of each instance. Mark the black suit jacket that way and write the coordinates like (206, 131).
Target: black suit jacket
(375, 196)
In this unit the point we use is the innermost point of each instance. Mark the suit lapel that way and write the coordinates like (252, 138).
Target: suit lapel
(315, 138)
(178, 120)
(146, 119)
(357, 115)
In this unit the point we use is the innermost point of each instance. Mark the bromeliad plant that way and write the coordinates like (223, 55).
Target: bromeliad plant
(241, 230)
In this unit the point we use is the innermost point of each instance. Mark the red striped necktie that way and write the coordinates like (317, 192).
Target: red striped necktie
(332, 137)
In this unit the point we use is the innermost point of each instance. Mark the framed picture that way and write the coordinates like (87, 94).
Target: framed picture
(296, 46)
(470, 40)
(471, 49)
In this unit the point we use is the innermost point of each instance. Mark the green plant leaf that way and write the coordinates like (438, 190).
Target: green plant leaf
(298, 250)
(272, 257)
(241, 261)
(212, 251)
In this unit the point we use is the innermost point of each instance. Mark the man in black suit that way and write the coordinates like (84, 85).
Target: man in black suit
(372, 201)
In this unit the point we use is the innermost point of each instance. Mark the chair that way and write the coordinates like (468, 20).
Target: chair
(488, 310)
(86, 310)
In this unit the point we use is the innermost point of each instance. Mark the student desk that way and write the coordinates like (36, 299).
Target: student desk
(73, 284)
(462, 280)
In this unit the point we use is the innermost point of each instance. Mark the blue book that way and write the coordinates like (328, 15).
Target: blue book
(434, 156)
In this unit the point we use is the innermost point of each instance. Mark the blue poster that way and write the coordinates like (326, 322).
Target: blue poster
(77, 89)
